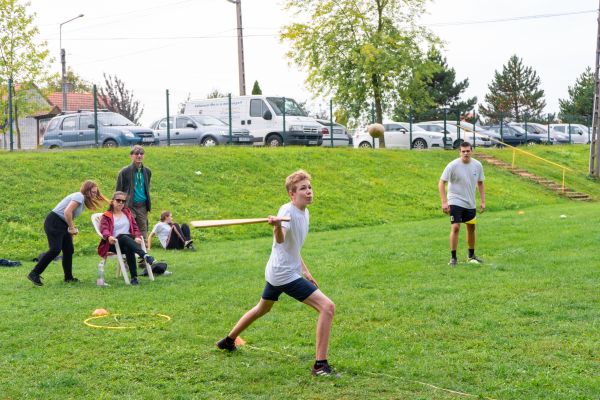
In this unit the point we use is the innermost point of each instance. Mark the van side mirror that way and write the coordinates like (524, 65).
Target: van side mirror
(91, 126)
(191, 125)
(267, 115)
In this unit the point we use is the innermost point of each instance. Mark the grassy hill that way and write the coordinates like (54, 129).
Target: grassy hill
(354, 188)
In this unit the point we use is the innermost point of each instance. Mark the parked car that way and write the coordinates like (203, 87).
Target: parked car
(512, 135)
(202, 130)
(77, 129)
(397, 135)
(452, 133)
(579, 133)
(539, 130)
(340, 134)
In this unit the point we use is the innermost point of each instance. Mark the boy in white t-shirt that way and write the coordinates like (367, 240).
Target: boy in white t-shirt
(287, 273)
(170, 234)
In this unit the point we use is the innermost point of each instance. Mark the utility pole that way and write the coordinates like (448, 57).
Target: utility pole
(595, 142)
(240, 37)
(64, 65)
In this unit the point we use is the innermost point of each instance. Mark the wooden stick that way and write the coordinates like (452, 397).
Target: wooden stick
(207, 223)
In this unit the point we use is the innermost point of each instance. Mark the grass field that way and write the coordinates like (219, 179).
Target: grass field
(522, 326)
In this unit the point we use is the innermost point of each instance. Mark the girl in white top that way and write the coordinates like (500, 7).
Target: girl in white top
(287, 273)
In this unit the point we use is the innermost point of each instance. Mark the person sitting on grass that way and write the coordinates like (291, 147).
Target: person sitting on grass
(170, 234)
(287, 273)
(118, 225)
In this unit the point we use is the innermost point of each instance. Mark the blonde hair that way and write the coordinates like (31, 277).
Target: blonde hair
(292, 180)
(90, 200)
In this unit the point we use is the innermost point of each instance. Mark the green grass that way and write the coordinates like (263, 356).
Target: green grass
(522, 326)
(373, 187)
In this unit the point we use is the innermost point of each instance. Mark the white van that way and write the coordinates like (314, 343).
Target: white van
(263, 116)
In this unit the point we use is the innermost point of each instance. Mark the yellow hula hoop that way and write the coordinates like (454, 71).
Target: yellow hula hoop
(91, 325)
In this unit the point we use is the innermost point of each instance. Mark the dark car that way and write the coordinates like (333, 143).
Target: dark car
(512, 135)
(202, 130)
(77, 129)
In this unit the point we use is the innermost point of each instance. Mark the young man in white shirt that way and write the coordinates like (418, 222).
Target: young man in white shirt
(464, 175)
(287, 273)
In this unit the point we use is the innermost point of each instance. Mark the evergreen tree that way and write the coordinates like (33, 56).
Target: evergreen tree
(431, 92)
(580, 103)
(256, 88)
(119, 99)
(514, 93)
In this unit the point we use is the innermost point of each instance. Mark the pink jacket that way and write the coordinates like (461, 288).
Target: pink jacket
(107, 225)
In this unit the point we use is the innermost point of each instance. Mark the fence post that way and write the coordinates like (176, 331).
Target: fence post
(458, 124)
(569, 127)
(445, 124)
(10, 114)
(548, 127)
(589, 126)
(474, 129)
(502, 130)
(96, 116)
(168, 122)
(410, 129)
(525, 120)
(372, 113)
(331, 121)
(229, 112)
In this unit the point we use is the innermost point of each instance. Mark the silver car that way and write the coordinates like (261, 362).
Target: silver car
(453, 132)
(340, 134)
(202, 130)
(397, 135)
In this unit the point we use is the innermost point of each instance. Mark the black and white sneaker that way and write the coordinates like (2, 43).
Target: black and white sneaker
(149, 259)
(453, 262)
(475, 260)
(324, 370)
(226, 344)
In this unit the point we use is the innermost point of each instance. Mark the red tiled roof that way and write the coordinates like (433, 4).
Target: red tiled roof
(76, 101)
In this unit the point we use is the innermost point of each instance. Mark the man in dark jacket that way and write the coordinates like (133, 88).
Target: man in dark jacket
(135, 181)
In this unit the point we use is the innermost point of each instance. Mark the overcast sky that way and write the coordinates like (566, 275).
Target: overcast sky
(190, 46)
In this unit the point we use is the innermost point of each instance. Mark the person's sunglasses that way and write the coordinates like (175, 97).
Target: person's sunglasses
(120, 200)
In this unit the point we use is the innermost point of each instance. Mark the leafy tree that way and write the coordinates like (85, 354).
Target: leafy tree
(256, 88)
(215, 94)
(358, 51)
(513, 93)
(580, 103)
(119, 99)
(76, 82)
(431, 92)
(22, 59)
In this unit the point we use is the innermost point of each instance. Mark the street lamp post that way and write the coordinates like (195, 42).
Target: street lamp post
(240, 37)
(64, 64)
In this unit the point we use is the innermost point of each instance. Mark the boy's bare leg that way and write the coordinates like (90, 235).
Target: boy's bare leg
(454, 231)
(326, 309)
(263, 307)
(471, 235)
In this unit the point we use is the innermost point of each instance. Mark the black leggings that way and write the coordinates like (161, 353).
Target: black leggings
(59, 239)
(130, 248)
(174, 241)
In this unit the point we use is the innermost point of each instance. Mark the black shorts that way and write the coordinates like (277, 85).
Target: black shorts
(461, 215)
(299, 289)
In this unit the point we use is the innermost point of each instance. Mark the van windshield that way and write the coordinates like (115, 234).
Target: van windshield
(113, 119)
(291, 107)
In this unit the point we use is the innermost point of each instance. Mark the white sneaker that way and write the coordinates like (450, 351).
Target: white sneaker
(167, 273)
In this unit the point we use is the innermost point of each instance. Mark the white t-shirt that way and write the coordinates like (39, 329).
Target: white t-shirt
(62, 206)
(462, 181)
(162, 230)
(285, 263)
(121, 225)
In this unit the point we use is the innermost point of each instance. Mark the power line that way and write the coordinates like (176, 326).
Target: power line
(508, 19)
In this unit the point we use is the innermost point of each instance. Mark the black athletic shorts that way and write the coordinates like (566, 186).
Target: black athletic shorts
(461, 215)
(299, 289)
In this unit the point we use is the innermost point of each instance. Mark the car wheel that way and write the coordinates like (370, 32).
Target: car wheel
(53, 147)
(209, 141)
(419, 144)
(365, 145)
(110, 143)
(457, 143)
(274, 141)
